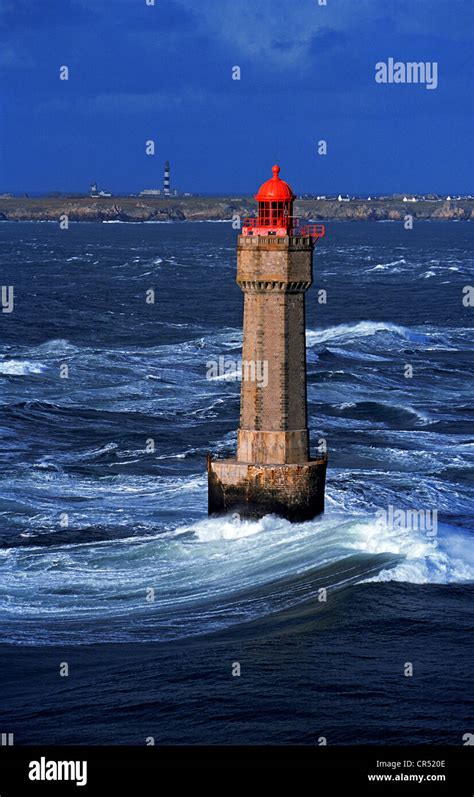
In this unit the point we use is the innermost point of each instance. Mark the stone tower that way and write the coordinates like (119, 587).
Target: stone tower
(273, 471)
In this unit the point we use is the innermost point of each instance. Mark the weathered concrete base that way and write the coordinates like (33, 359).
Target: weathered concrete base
(295, 492)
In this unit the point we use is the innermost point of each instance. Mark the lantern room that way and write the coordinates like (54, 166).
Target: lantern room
(275, 212)
(275, 202)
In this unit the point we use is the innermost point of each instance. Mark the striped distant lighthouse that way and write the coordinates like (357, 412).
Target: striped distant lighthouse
(166, 180)
(273, 470)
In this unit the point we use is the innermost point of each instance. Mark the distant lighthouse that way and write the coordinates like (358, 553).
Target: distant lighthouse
(166, 179)
(273, 471)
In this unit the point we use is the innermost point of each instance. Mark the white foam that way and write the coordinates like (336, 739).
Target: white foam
(213, 572)
(362, 329)
(230, 376)
(445, 558)
(56, 346)
(401, 261)
(21, 367)
(229, 528)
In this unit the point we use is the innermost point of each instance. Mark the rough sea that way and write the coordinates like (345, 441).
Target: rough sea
(108, 561)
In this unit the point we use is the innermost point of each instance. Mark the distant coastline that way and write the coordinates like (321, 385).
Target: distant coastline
(138, 209)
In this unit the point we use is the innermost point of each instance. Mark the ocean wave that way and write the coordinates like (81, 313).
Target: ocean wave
(392, 265)
(362, 356)
(56, 346)
(357, 334)
(170, 585)
(362, 329)
(446, 559)
(382, 412)
(21, 367)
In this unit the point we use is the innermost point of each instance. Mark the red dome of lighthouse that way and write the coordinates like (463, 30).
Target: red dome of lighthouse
(275, 189)
(275, 213)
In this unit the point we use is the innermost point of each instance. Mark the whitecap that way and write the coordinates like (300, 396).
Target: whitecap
(21, 367)
(361, 329)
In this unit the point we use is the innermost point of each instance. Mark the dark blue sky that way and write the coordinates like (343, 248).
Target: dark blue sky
(164, 72)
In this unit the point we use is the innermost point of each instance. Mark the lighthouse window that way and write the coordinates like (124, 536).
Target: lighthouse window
(265, 213)
(274, 213)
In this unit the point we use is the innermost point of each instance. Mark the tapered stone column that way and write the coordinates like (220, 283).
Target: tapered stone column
(273, 471)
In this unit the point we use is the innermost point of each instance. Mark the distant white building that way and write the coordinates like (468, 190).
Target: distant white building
(95, 192)
(343, 198)
(150, 192)
(409, 199)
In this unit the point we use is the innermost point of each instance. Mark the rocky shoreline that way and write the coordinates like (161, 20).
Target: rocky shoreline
(136, 209)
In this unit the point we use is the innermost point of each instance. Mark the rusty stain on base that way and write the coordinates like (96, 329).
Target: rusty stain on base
(295, 492)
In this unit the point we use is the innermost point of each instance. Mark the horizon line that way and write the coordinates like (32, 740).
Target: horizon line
(51, 193)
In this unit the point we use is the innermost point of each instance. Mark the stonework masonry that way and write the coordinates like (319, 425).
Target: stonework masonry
(273, 471)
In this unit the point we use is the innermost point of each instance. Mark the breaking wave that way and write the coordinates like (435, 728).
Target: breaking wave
(211, 574)
(21, 367)
(362, 329)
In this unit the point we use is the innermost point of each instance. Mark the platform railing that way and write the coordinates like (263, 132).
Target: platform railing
(291, 224)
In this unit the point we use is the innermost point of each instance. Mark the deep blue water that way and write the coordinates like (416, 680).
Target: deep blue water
(75, 450)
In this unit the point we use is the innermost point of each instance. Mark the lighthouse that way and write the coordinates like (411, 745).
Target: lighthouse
(273, 471)
(166, 179)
